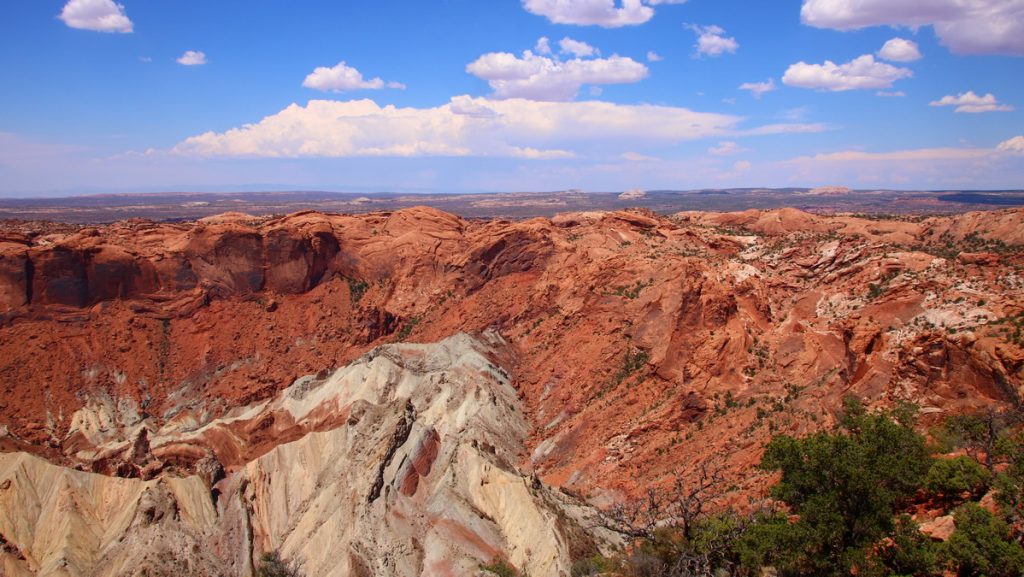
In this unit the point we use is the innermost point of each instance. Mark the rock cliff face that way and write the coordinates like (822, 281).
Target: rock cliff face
(402, 463)
(639, 346)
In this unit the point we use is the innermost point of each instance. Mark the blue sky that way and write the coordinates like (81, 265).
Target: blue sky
(465, 95)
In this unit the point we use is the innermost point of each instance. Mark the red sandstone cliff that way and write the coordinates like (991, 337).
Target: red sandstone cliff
(640, 344)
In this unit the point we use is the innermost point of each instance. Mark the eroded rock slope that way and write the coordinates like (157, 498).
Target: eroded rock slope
(402, 463)
(640, 345)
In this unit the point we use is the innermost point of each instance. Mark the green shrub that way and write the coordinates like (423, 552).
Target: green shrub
(982, 546)
(271, 565)
(845, 486)
(633, 362)
(954, 477)
(501, 568)
(595, 565)
(909, 552)
(356, 290)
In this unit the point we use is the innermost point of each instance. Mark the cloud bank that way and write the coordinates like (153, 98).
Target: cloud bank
(965, 26)
(465, 126)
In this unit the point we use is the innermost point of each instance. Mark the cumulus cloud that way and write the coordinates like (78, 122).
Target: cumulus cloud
(192, 58)
(98, 15)
(1014, 146)
(577, 48)
(863, 72)
(972, 103)
(343, 78)
(966, 27)
(759, 89)
(712, 41)
(605, 13)
(543, 46)
(900, 50)
(653, 56)
(540, 77)
(465, 126)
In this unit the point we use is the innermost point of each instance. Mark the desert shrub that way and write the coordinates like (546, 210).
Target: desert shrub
(977, 434)
(271, 565)
(908, 552)
(356, 290)
(594, 565)
(982, 546)
(634, 361)
(954, 477)
(845, 486)
(501, 568)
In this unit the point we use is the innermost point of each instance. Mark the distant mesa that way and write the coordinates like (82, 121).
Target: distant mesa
(830, 190)
(228, 217)
(635, 194)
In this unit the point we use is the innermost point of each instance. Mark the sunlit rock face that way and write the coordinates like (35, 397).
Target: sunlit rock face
(402, 463)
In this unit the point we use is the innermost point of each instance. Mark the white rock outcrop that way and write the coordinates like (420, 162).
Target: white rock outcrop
(402, 464)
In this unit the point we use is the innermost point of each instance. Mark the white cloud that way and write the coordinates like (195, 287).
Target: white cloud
(759, 89)
(965, 26)
(891, 93)
(98, 15)
(1014, 146)
(918, 154)
(653, 56)
(922, 168)
(784, 129)
(343, 78)
(538, 77)
(465, 126)
(637, 157)
(577, 48)
(543, 46)
(192, 58)
(742, 166)
(900, 50)
(863, 72)
(972, 103)
(726, 148)
(711, 41)
(605, 13)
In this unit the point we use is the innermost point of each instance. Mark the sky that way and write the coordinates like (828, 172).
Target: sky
(101, 96)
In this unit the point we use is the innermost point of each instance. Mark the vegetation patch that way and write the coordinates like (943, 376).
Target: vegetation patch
(356, 290)
(840, 508)
(631, 363)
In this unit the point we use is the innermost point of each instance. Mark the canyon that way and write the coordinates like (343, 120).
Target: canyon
(411, 392)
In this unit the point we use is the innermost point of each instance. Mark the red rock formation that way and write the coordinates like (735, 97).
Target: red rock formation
(641, 345)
